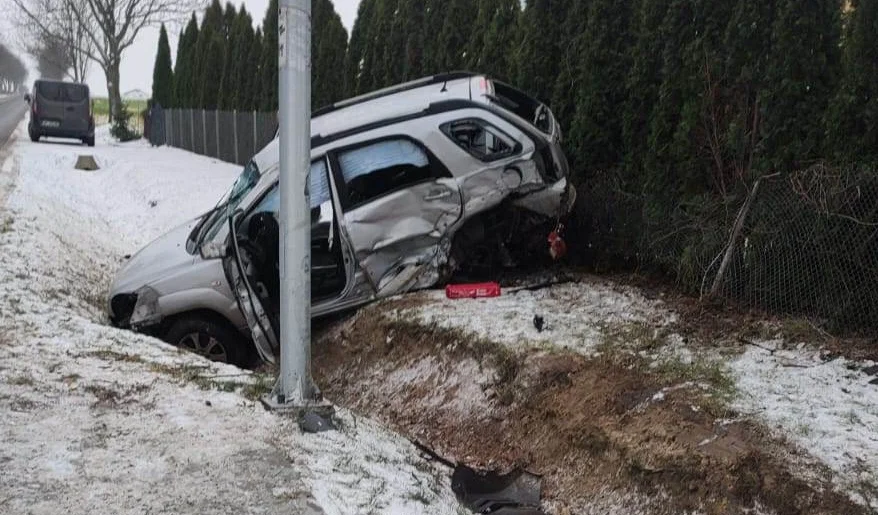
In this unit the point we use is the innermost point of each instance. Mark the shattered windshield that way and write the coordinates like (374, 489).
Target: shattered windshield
(214, 220)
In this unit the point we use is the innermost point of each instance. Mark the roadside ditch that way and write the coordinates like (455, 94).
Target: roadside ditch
(604, 432)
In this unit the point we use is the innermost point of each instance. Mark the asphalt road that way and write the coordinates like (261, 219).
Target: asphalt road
(12, 109)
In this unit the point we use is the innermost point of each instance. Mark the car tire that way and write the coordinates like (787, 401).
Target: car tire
(211, 338)
(34, 136)
(89, 141)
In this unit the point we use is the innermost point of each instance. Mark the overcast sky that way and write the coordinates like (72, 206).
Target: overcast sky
(138, 60)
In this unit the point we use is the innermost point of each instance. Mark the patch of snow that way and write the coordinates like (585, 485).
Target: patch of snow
(575, 314)
(827, 408)
(461, 390)
(363, 469)
(93, 416)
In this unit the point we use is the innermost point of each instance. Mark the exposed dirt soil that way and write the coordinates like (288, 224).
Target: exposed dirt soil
(585, 425)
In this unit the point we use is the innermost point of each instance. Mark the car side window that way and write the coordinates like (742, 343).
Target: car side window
(378, 168)
(480, 139)
(320, 192)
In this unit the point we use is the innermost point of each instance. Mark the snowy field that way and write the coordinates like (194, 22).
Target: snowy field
(828, 408)
(99, 420)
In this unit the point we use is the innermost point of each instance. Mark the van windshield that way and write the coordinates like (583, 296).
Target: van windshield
(62, 92)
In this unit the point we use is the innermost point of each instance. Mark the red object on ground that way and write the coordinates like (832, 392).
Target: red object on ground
(557, 245)
(472, 291)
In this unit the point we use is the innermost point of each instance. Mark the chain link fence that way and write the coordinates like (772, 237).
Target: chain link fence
(801, 244)
(231, 136)
(805, 244)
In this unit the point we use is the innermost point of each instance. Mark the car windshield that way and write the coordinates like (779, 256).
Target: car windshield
(212, 222)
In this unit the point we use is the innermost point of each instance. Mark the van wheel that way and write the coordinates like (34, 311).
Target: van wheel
(210, 338)
(89, 141)
(33, 136)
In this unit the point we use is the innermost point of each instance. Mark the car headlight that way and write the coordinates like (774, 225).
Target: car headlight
(146, 309)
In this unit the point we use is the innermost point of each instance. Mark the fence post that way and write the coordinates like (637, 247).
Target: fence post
(216, 130)
(235, 134)
(255, 142)
(191, 130)
(203, 133)
(736, 233)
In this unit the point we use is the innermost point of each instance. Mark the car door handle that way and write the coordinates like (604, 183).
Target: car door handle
(437, 195)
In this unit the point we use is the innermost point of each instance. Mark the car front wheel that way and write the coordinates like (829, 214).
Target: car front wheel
(207, 337)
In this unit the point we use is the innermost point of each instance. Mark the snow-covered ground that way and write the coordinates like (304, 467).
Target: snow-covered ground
(95, 417)
(828, 408)
(99, 420)
(575, 317)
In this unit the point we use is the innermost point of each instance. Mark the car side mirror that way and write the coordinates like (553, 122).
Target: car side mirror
(27, 97)
(212, 250)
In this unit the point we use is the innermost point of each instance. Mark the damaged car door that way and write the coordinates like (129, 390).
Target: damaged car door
(399, 201)
(252, 268)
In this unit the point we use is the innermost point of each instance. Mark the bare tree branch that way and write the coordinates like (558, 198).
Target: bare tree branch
(100, 30)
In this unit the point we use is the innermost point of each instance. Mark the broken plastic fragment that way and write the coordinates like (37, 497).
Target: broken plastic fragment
(488, 492)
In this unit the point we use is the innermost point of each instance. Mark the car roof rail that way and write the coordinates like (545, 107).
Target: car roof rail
(399, 88)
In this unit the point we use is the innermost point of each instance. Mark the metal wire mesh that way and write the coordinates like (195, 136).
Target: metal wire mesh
(809, 246)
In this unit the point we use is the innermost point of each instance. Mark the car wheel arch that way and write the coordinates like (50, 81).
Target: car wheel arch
(210, 316)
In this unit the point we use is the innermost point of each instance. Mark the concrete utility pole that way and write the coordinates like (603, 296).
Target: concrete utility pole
(295, 387)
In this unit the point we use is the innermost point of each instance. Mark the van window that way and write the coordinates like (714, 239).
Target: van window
(481, 139)
(62, 92)
(378, 168)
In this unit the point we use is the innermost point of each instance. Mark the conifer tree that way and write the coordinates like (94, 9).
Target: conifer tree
(853, 118)
(642, 83)
(234, 76)
(413, 18)
(211, 69)
(802, 67)
(329, 45)
(252, 97)
(162, 75)
(184, 82)
(494, 39)
(211, 28)
(566, 84)
(536, 59)
(454, 37)
(269, 72)
(596, 132)
(358, 47)
(434, 20)
(375, 55)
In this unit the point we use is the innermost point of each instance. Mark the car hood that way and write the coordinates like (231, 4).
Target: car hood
(160, 260)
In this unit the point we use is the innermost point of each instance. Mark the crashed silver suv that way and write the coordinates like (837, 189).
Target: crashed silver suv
(408, 185)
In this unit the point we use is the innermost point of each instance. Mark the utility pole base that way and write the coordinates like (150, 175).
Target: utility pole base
(312, 417)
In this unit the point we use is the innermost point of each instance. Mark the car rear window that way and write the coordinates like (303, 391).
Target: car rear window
(523, 105)
(59, 92)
